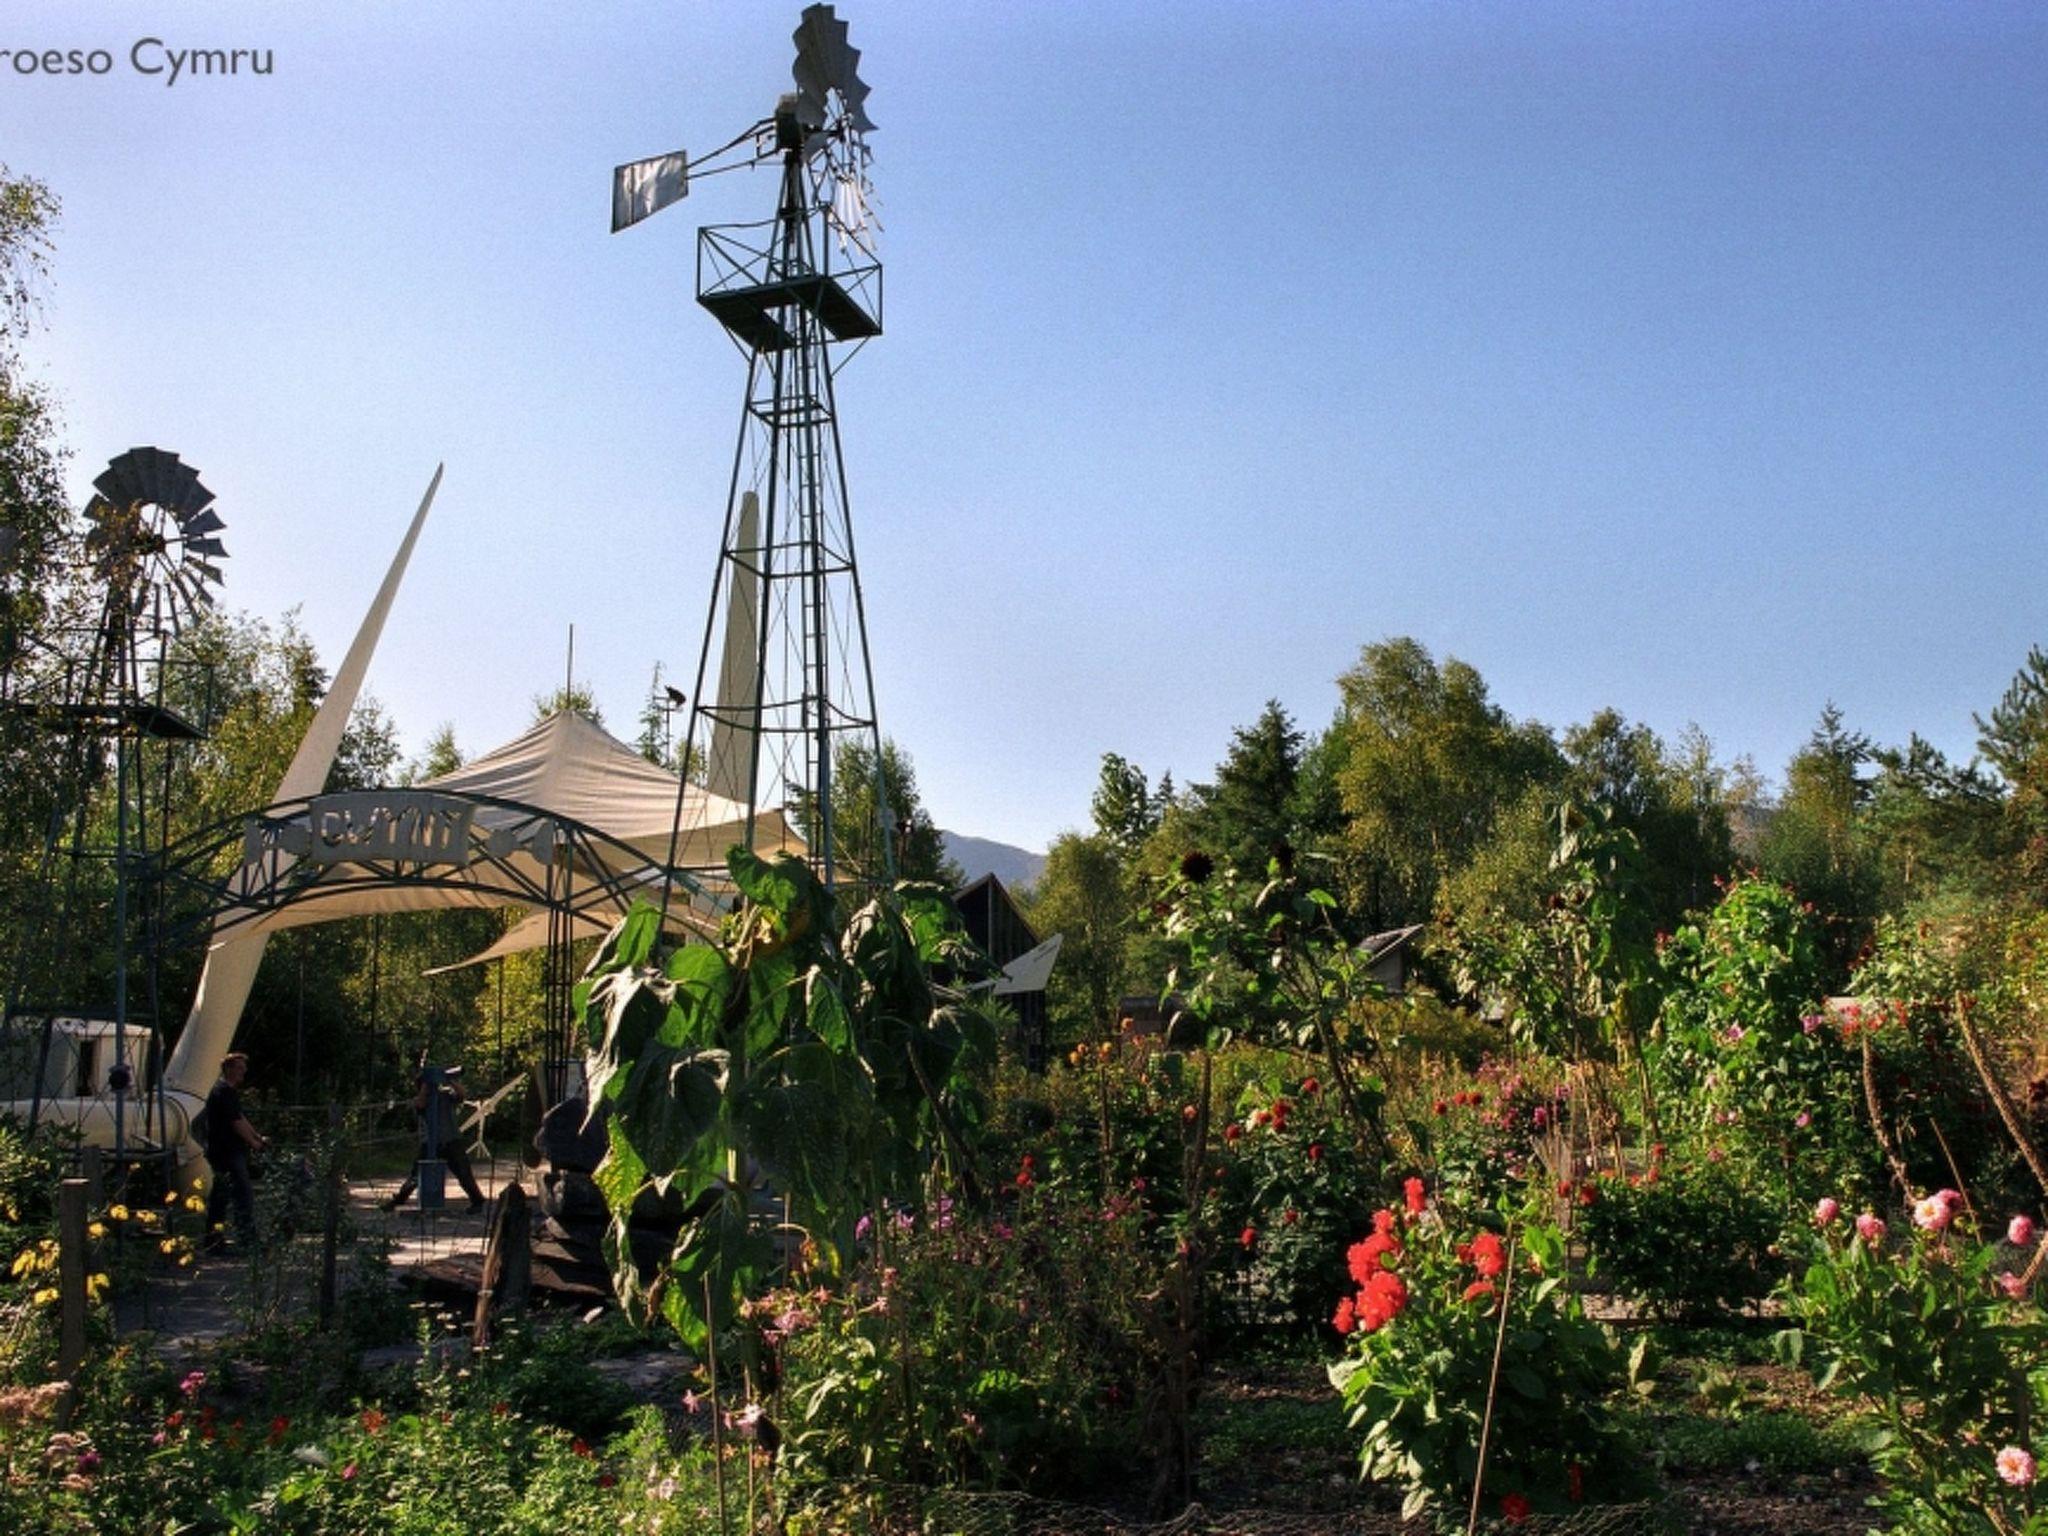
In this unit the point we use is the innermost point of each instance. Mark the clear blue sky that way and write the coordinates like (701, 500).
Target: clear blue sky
(1685, 358)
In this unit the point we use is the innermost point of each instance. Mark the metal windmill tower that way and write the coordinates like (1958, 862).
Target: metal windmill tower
(119, 703)
(784, 695)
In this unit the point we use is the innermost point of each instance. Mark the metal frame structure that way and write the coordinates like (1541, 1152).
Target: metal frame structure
(245, 868)
(786, 562)
(110, 694)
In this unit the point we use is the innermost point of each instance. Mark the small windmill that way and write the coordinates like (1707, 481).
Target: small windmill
(793, 695)
(114, 702)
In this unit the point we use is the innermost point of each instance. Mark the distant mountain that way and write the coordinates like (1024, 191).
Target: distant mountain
(978, 856)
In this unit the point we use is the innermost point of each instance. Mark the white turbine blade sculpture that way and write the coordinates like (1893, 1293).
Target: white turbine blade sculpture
(730, 770)
(230, 969)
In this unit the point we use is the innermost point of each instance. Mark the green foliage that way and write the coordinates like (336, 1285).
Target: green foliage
(863, 815)
(1124, 808)
(1581, 979)
(1011, 1350)
(1252, 812)
(1082, 894)
(1684, 1240)
(1429, 763)
(827, 1062)
(1418, 1382)
(1295, 1183)
(1746, 1062)
(1950, 1355)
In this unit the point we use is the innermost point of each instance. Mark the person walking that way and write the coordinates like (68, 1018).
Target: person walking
(435, 1103)
(229, 1140)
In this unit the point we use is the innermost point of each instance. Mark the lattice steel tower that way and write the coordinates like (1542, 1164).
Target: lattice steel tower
(784, 693)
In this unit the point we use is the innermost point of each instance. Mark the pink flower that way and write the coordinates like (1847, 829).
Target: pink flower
(2021, 1233)
(1870, 1229)
(2016, 1466)
(1802, 1119)
(1733, 1034)
(2014, 1286)
(192, 1383)
(348, 1473)
(1936, 1212)
(1811, 1023)
(1826, 1211)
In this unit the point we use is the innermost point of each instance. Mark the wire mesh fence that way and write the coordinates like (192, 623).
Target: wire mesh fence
(878, 1509)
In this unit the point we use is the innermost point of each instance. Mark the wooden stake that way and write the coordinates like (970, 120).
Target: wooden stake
(71, 1267)
(1500, 1339)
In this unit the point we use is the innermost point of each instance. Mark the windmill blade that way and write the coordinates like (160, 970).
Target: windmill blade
(121, 481)
(205, 522)
(151, 473)
(212, 547)
(186, 495)
(825, 62)
(210, 573)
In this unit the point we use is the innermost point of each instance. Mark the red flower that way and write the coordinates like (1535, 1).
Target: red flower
(1381, 1300)
(606, 1480)
(1383, 1221)
(1413, 1190)
(1249, 1238)
(1315, 1151)
(1290, 1216)
(374, 1420)
(1311, 1087)
(1489, 1255)
(1514, 1509)
(1232, 1131)
(1347, 1316)
(580, 1446)
(1365, 1259)
(278, 1426)
(1441, 1107)
(1477, 1289)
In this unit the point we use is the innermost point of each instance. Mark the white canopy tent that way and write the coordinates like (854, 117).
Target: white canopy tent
(565, 770)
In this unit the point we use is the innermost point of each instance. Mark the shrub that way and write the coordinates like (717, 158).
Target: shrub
(1688, 1240)
(1421, 1334)
(1942, 1334)
(1007, 1351)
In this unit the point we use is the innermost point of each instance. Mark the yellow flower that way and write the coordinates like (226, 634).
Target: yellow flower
(117, 1213)
(45, 1296)
(168, 1246)
(170, 1197)
(96, 1231)
(194, 1204)
(95, 1286)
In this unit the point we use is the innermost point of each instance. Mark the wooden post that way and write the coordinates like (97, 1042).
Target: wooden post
(71, 1268)
(92, 1164)
(508, 1263)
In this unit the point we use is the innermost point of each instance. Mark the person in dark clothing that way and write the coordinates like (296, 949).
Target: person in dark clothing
(230, 1138)
(435, 1103)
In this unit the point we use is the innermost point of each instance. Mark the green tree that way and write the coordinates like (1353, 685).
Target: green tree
(1814, 842)
(859, 819)
(1671, 803)
(1082, 893)
(1124, 808)
(1429, 763)
(1250, 814)
(1933, 829)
